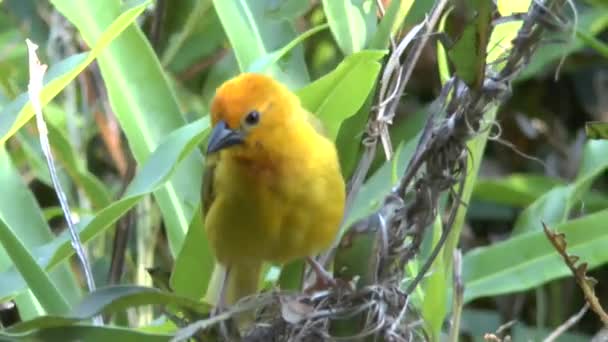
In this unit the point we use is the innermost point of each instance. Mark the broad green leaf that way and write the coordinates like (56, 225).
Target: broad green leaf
(154, 173)
(488, 272)
(372, 192)
(351, 131)
(555, 206)
(89, 333)
(291, 276)
(443, 65)
(29, 144)
(26, 11)
(224, 69)
(64, 153)
(404, 11)
(348, 140)
(517, 190)
(596, 130)
(521, 190)
(254, 33)
(352, 23)
(35, 276)
(24, 220)
(469, 51)
(13, 62)
(416, 11)
(109, 300)
(599, 46)
(266, 61)
(509, 7)
(381, 37)
(476, 148)
(183, 22)
(435, 289)
(503, 34)
(194, 256)
(194, 34)
(19, 112)
(287, 9)
(339, 94)
(20, 209)
(144, 104)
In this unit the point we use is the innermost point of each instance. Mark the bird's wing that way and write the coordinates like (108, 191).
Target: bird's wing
(208, 193)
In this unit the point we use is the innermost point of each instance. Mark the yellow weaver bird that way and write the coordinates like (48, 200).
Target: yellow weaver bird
(272, 188)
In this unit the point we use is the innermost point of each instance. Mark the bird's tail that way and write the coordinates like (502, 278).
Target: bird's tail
(242, 281)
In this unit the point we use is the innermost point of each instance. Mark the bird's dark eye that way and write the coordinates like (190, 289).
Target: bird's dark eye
(252, 118)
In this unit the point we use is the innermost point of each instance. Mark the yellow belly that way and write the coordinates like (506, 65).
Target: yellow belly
(274, 218)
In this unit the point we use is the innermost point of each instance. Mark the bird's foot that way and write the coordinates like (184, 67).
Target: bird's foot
(323, 279)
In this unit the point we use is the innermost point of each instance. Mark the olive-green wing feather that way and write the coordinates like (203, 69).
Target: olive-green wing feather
(208, 193)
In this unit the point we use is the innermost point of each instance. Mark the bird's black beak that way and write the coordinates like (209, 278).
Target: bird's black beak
(222, 136)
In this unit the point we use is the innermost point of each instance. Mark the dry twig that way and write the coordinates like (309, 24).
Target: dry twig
(567, 324)
(558, 240)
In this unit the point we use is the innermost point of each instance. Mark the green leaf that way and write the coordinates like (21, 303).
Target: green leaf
(469, 51)
(254, 33)
(396, 11)
(13, 61)
(339, 94)
(195, 255)
(348, 140)
(590, 21)
(503, 34)
(373, 191)
(36, 278)
(266, 61)
(184, 20)
(596, 130)
(144, 104)
(352, 23)
(29, 144)
(292, 276)
(221, 71)
(443, 65)
(27, 228)
(157, 170)
(554, 206)
(19, 112)
(517, 190)
(64, 153)
(599, 46)
(112, 299)
(435, 289)
(495, 270)
(521, 190)
(89, 333)
(288, 9)
(476, 148)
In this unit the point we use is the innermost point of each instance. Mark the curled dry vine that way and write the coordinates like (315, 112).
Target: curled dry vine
(439, 165)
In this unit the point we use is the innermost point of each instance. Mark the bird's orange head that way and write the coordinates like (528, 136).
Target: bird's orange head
(249, 109)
